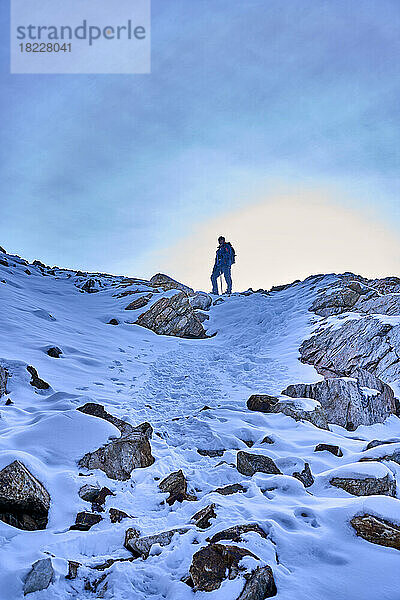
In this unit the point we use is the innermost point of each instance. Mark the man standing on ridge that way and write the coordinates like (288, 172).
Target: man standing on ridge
(224, 259)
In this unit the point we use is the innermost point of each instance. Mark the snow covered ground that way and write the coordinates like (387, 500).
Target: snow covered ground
(140, 376)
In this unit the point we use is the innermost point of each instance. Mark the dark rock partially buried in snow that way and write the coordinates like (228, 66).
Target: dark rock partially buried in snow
(173, 316)
(260, 584)
(54, 351)
(39, 577)
(215, 563)
(3, 381)
(175, 485)
(119, 457)
(98, 410)
(35, 381)
(141, 546)
(24, 501)
(235, 533)
(377, 530)
(305, 476)
(248, 464)
(116, 515)
(85, 520)
(202, 518)
(233, 488)
(139, 302)
(271, 404)
(349, 403)
(366, 486)
(201, 301)
(329, 448)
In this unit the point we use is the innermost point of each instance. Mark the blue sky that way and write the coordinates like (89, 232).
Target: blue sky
(101, 171)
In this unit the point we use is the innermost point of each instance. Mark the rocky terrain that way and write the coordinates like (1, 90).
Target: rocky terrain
(161, 443)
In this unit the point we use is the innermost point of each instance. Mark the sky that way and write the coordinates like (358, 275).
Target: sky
(259, 118)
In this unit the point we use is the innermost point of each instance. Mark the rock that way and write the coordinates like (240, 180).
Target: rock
(141, 546)
(366, 486)
(383, 305)
(97, 410)
(54, 352)
(260, 584)
(365, 343)
(90, 286)
(24, 501)
(202, 517)
(85, 520)
(167, 283)
(349, 403)
(305, 476)
(173, 316)
(119, 457)
(211, 453)
(73, 567)
(3, 381)
(2, 250)
(28, 272)
(201, 301)
(8, 402)
(139, 302)
(377, 530)
(3, 262)
(296, 410)
(385, 455)
(202, 316)
(113, 322)
(176, 485)
(233, 488)
(267, 440)
(214, 563)
(218, 301)
(35, 379)
(39, 577)
(375, 443)
(329, 448)
(99, 500)
(117, 515)
(89, 492)
(248, 464)
(338, 301)
(235, 533)
(262, 403)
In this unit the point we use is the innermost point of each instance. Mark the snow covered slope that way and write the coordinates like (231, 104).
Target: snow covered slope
(193, 392)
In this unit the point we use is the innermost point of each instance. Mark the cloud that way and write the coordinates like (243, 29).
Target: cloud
(284, 238)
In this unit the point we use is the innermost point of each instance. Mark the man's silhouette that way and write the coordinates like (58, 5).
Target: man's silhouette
(224, 259)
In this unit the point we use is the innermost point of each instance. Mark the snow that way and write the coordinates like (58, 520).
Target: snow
(138, 376)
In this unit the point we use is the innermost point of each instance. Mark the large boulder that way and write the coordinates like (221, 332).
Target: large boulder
(24, 501)
(200, 301)
(39, 577)
(248, 464)
(349, 403)
(364, 482)
(167, 283)
(260, 584)
(365, 343)
(337, 301)
(377, 530)
(173, 316)
(119, 457)
(214, 563)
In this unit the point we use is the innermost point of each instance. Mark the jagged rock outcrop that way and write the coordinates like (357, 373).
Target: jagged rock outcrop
(380, 305)
(202, 518)
(3, 381)
(305, 475)
(116, 515)
(248, 464)
(294, 409)
(39, 577)
(377, 530)
(260, 584)
(85, 520)
(119, 457)
(347, 403)
(214, 563)
(141, 546)
(337, 301)
(365, 343)
(24, 501)
(167, 283)
(233, 488)
(175, 485)
(173, 316)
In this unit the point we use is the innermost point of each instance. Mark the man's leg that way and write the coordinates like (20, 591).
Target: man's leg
(214, 276)
(228, 279)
